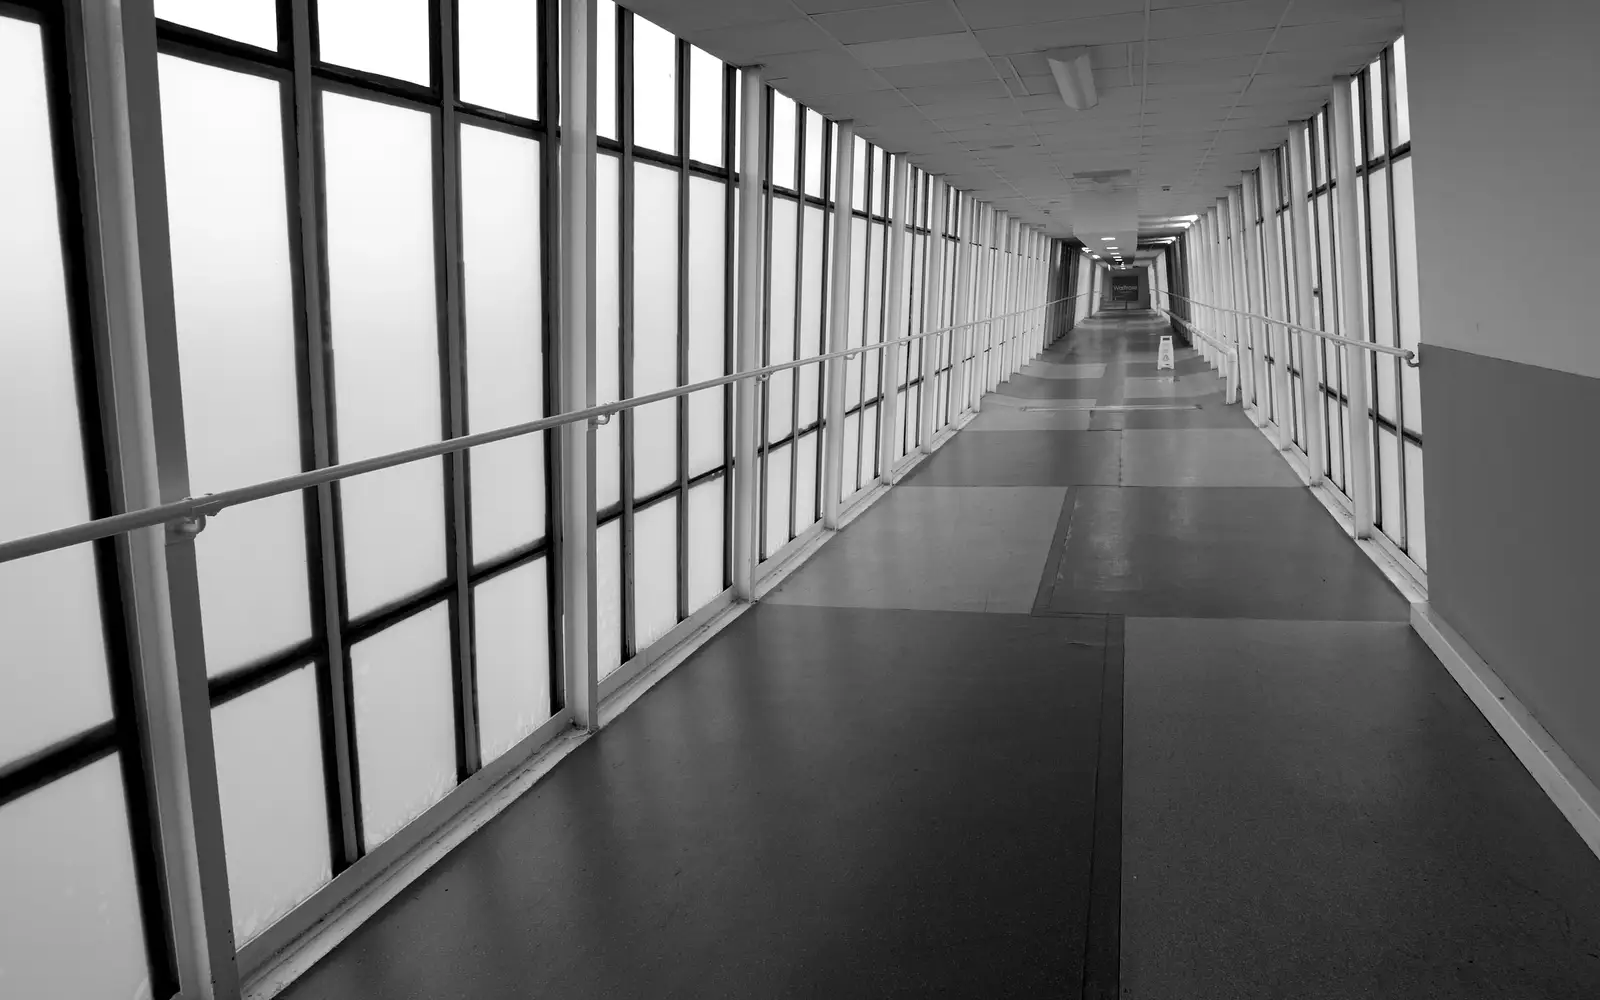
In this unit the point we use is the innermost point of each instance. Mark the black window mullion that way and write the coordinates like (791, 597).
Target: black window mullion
(625, 290)
(799, 311)
(769, 192)
(550, 209)
(453, 387)
(730, 131)
(681, 78)
(336, 704)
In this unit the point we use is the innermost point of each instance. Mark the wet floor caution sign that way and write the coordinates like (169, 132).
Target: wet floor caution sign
(1164, 358)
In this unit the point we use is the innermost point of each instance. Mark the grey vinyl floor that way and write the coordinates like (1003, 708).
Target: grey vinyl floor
(1098, 702)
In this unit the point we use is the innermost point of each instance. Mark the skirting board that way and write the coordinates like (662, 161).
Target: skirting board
(293, 958)
(1566, 785)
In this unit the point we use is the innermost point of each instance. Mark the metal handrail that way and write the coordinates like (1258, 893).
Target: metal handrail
(192, 511)
(1410, 357)
(1227, 349)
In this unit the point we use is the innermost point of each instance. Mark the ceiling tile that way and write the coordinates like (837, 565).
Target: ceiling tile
(914, 51)
(1006, 13)
(750, 43)
(877, 24)
(1116, 28)
(930, 74)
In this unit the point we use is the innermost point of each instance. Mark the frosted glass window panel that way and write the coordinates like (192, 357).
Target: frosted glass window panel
(1391, 511)
(707, 320)
(608, 464)
(388, 37)
(783, 139)
(856, 306)
(869, 444)
(805, 482)
(608, 326)
(1402, 100)
(379, 183)
(254, 22)
(608, 280)
(254, 600)
(232, 289)
(850, 477)
(499, 64)
(1405, 235)
(858, 175)
(880, 173)
(605, 68)
(655, 87)
(1416, 525)
(274, 805)
(69, 916)
(707, 527)
(781, 317)
(814, 172)
(875, 269)
(504, 335)
(54, 683)
(655, 325)
(608, 596)
(705, 106)
(1377, 141)
(811, 306)
(655, 571)
(511, 645)
(405, 721)
(778, 486)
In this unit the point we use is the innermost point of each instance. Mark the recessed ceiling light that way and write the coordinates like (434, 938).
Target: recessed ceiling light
(1108, 239)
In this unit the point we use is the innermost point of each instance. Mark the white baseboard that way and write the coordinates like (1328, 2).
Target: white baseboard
(1562, 780)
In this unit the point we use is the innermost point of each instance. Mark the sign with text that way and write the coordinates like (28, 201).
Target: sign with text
(1164, 356)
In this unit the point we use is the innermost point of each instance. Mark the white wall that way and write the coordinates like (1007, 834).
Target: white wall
(1505, 111)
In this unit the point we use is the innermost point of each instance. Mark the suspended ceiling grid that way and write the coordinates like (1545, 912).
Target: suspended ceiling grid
(1190, 92)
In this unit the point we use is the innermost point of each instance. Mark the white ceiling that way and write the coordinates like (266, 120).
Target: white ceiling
(1190, 90)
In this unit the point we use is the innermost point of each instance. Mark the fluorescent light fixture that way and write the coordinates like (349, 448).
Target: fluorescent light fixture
(1108, 239)
(1074, 77)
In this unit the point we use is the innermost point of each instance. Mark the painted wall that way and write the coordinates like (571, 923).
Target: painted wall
(1505, 138)
(1506, 132)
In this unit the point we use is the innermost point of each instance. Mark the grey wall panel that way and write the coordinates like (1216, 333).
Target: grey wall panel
(1513, 516)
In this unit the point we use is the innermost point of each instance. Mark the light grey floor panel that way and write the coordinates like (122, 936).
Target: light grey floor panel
(1022, 458)
(936, 549)
(1055, 369)
(1016, 418)
(1168, 385)
(1202, 458)
(1314, 810)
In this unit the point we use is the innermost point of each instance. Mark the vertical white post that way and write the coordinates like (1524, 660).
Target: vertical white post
(1310, 348)
(1236, 292)
(988, 231)
(1221, 287)
(961, 337)
(998, 307)
(1013, 294)
(893, 321)
(1252, 290)
(1354, 313)
(752, 109)
(575, 311)
(1277, 300)
(838, 325)
(932, 308)
(133, 269)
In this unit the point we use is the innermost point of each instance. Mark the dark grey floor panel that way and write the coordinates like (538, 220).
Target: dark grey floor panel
(1031, 387)
(1314, 810)
(1022, 458)
(820, 803)
(1210, 415)
(1211, 552)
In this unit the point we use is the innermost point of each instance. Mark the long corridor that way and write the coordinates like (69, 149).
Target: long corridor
(1100, 702)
